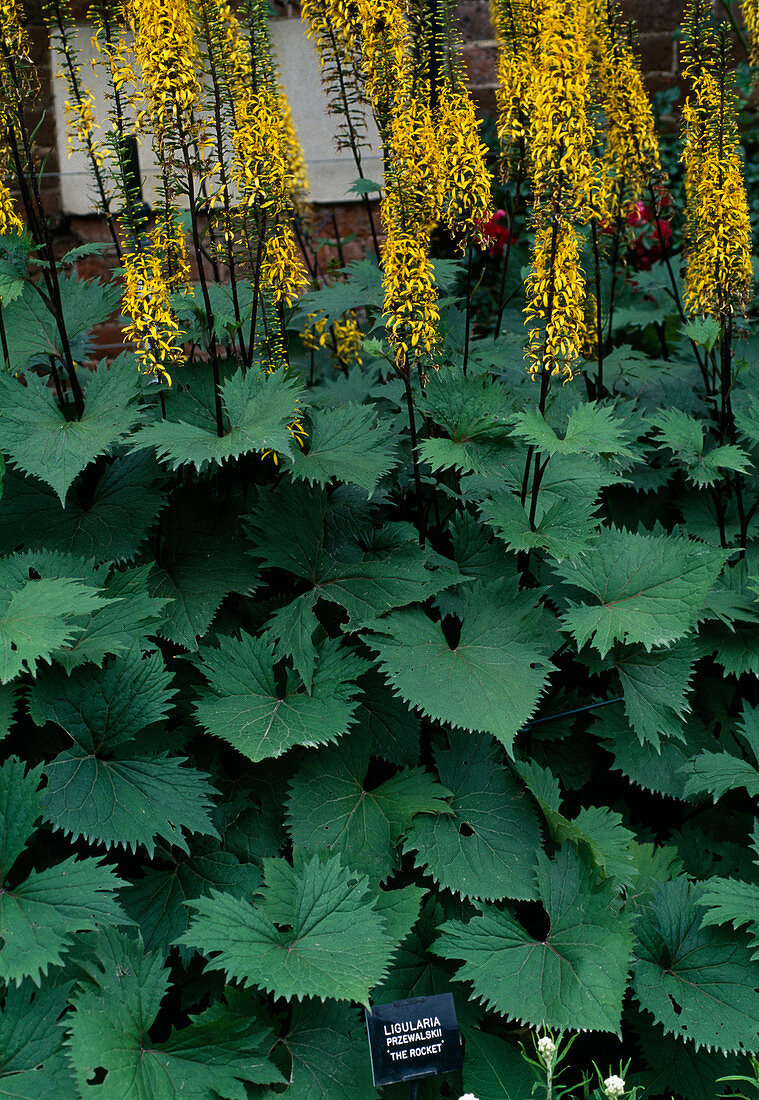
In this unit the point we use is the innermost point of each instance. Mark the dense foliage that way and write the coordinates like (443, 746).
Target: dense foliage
(357, 657)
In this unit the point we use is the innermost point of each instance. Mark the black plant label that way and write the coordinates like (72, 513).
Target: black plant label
(415, 1038)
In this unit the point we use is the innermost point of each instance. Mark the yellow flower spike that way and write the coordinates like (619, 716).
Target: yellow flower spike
(718, 230)
(555, 296)
(9, 219)
(631, 156)
(282, 270)
(14, 37)
(152, 325)
(168, 241)
(560, 134)
(167, 54)
(750, 13)
(466, 180)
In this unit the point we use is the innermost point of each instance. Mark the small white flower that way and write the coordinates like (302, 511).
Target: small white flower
(546, 1048)
(614, 1087)
(468, 1096)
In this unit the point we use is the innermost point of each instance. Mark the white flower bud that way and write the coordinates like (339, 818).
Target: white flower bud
(614, 1087)
(468, 1096)
(546, 1050)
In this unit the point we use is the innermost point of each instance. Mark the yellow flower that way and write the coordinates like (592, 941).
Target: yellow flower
(169, 60)
(517, 26)
(466, 180)
(342, 339)
(719, 276)
(152, 325)
(410, 300)
(282, 270)
(168, 240)
(631, 156)
(560, 131)
(555, 297)
(12, 34)
(9, 219)
(750, 12)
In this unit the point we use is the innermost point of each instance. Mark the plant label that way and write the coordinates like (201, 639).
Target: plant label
(415, 1038)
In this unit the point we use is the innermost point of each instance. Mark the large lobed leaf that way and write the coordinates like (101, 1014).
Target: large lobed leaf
(42, 441)
(109, 1031)
(244, 705)
(490, 681)
(330, 809)
(644, 589)
(257, 411)
(348, 444)
(485, 843)
(317, 932)
(575, 977)
(699, 982)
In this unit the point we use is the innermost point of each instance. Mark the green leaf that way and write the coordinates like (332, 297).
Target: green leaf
(257, 410)
(490, 681)
(702, 330)
(731, 901)
(39, 917)
(8, 700)
(393, 572)
(277, 541)
(734, 648)
(11, 288)
(346, 443)
(655, 686)
(362, 287)
(292, 630)
(592, 429)
(104, 708)
(327, 1045)
(19, 810)
(654, 767)
(574, 978)
(678, 1068)
(341, 556)
(125, 619)
(698, 982)
(127, 799)
(716, 773)
(110, 1025)
(244, 705)
(32, 332)
(201, 559)
(92, 248)
(39, 616)
(315, 934)
(393, 727)
(415, 971)
(485, 844)
(400, 909)
(41, 441)
(330, 809)
(107, 524)
(30, 1040)
(364, 187)
(474, 411)
(684, 436)
(495, 1070)
(645, 589)
(598, 828)
(156, 902)
(565, 530)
